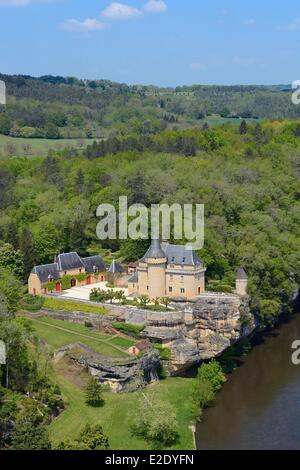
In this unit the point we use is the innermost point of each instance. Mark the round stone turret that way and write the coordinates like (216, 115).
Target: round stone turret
(156, 263)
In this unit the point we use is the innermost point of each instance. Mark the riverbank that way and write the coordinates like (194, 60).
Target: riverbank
(257, 407)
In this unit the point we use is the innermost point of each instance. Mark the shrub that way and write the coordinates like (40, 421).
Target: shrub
(213, 373)
(32, 303)
(129, 328)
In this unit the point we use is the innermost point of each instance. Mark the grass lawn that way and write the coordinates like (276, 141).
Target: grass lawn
(118, 411)
(57, 333)
(71, 305)
(39, 146)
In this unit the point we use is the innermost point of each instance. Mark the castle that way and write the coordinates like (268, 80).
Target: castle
(168, 270)
(165, 270)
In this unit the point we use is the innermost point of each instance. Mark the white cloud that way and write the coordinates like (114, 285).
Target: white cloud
(75, 26)
(156, 6)
(120, 11)
(292, 26)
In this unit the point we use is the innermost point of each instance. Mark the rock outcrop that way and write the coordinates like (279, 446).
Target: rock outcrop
(200, 330)
(121, 375)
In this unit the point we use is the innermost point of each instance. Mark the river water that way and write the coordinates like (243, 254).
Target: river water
(259, 406)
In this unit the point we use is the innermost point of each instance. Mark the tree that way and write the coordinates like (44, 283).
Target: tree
(111, 295)
(30, 436)
(165, 301)
(120, 296)
(12, 260)
(213, 373)
(90, 438)
(28, 250)
(155, 421)
(203, 394)
(4, 124)
(243, 127)
(93, 393)
(143, 300)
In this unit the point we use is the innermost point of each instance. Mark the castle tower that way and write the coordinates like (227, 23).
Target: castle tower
(241, 282)
(156, 266)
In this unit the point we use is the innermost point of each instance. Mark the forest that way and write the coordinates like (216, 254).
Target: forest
(247, 177)
(54, 107)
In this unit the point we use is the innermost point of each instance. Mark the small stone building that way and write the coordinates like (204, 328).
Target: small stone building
(141, 347)
(168, 270)
(83, 271)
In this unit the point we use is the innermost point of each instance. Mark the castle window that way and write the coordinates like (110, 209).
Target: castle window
(183, 260)
(173, 259)
(80, 270)
(147, 287)
(182, 291)
(170, 289)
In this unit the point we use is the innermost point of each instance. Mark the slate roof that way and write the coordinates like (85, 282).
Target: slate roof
(241, 275)
(46, 271)
(175, 254)
(67, 261)
(115, 268)
(92, 262)
(134, 279)
(179, 254)
(155, 251)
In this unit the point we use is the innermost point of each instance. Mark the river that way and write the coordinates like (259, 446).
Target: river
(259, 406)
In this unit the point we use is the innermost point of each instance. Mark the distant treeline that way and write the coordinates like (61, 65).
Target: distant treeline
(74, 108)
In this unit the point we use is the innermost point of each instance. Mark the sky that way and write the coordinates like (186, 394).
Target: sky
(159, 42)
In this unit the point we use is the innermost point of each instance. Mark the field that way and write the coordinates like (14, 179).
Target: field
(57, 333)
(118, 411)
(17, 146)
(117, 414)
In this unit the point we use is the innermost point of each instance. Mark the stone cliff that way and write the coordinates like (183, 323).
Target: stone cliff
(121, 375)
(200, 330)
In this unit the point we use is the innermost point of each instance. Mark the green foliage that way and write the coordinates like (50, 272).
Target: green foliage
(129, 328)
(269, 311)
(94, 393)
(203, 395)
(212, 372)
(29, 436)
(156, 422)
(91, 438)
(248, 183)
(165, 353)
(31, 303)
(11, 289)
(143, 301)
(12, 260)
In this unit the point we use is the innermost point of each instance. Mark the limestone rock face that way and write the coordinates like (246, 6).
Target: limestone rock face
(122, 375)
(201, 330)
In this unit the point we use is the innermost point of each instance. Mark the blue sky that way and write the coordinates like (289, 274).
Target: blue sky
(167, 43)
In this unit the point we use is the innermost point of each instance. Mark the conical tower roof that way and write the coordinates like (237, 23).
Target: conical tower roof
(241, 275)
(155, 250)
